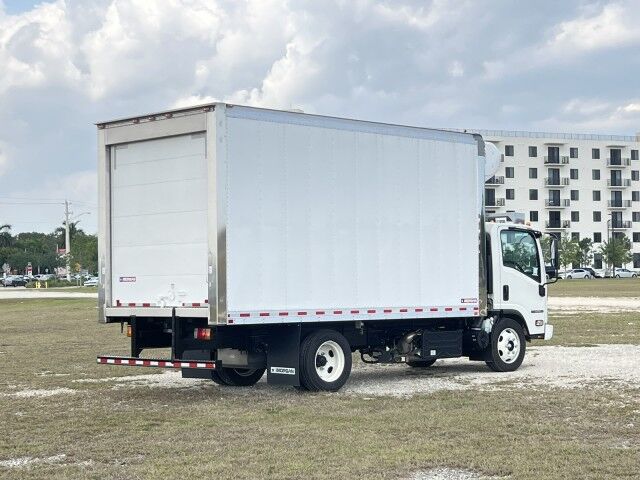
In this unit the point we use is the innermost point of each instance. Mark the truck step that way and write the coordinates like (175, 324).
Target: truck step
(155, 362)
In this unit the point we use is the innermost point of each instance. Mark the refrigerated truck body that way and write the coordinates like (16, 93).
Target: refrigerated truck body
(248, 239)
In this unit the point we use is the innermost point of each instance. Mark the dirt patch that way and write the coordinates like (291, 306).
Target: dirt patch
(570, 305)
(40, 393)
(23, 462)
(448, 474)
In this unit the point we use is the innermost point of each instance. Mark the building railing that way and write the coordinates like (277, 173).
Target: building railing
(558, 224)
(557, 202)
(622, 182)
(618, 162)
(552, 160)
(621, 224)
(495, 180)
(619, 203)
(556, 182)
(498, 202)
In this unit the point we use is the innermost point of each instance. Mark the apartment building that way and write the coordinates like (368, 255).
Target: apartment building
(585, 185)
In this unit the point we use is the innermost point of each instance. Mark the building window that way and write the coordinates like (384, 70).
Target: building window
(634, 154)
(595, 174)
(597, 216)
(635, 196)
(508, 150)
(575, 236)
(596, 195)
(636, 237)
(533, 216)
(573, 152)
(635, 175)
(636, 260)
(533, 173)
(635, 216)
(508, 172)
(573, 173)
(595, 153)
(533, 194)
(511, 194)
(597, 260)
(575, 216)
(597, 237)
(533, 152)
(575, 195)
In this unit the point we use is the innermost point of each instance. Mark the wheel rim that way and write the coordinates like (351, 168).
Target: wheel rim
(329, 361)
(508, 345)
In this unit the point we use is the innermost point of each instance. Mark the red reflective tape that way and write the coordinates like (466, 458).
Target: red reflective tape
(355, 311)
(245, 314)
(195, 304)
(283, 314)
(302, 313)
(419, 309)
(264, 314)
(388, 310)
(118, 303)
(337, 312)
(230, 321)
(320, 312)
(146, 304)
(132, 304)
(433, 309)
(371, 311)
(448, 309)
(462, 309)
(146, 363)
(403, 310)
(206, 301)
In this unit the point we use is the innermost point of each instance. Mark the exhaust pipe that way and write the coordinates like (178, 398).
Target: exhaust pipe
(406, 342)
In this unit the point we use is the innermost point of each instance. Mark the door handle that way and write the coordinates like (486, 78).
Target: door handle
(505, 293)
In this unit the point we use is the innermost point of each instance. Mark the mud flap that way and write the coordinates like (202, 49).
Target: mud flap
(283, 355)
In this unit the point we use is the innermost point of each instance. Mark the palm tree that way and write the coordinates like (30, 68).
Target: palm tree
(5, 235)
(73, 230)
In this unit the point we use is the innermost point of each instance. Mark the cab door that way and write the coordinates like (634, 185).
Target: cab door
(521, 277)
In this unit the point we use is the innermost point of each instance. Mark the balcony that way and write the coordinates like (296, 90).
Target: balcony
(619, 183)
(621, 224)
(557, 203)
(498, 202)
(556, 182)
(619, 204)
(558, 225)
(495, 180)
(564, 160)
(618, 162)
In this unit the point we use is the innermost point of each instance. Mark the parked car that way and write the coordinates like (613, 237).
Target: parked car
(578, 273)
(625, 273)
(14, 281)
(91, 282)
(593, 272)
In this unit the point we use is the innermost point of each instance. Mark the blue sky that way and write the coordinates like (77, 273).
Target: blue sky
(546, 66)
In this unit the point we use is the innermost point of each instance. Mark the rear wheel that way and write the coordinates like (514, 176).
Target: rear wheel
(508, 346)
(617, 276)
(569, 277)
(325, 361)
(237, 377)
(421, 363)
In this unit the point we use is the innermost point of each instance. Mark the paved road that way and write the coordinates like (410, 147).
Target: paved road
(21, 292)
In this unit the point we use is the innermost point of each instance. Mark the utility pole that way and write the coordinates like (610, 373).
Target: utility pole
(67, 239)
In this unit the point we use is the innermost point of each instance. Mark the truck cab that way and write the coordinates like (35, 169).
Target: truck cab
(517, 284)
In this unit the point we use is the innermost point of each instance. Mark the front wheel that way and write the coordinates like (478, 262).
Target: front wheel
(617, 276)
(569, 277)
(508, 346)
(237, 377)
(325, 361)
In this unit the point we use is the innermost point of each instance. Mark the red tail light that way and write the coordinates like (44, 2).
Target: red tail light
(202, 334)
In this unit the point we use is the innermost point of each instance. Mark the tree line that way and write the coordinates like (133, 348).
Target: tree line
(579, 253)
(41, 250)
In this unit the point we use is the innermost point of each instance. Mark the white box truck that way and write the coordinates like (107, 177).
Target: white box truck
(248, 239)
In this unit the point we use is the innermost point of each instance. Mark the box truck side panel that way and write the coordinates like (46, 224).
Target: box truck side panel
(345, 215)
(159, 222)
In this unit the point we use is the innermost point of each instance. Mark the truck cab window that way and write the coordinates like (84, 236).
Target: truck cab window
(520, 252)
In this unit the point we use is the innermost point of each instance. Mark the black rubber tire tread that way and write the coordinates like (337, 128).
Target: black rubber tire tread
(230, 377)
(216, 377)
(421, 363)
(496, 364)
(309, 378)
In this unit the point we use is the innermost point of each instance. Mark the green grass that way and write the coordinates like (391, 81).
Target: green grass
(209, 432)
(601, 287)
(591, 328)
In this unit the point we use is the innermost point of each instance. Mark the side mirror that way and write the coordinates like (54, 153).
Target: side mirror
(554, 260)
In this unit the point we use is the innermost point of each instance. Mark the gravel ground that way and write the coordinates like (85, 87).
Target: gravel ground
(593, 304)
(549, 367)
(448, 474)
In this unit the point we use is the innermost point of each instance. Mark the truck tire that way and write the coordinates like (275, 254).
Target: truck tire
(325, 361)
(508, 346)
(421, 363)
(237, 377)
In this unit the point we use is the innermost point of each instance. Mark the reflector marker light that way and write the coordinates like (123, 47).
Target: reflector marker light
(202, 334)
(144, 362)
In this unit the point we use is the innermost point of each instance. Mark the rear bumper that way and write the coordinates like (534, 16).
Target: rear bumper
(154, 362)
(548, 332)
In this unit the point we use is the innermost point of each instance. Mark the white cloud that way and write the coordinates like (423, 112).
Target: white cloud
(192, 100)
(4, 160)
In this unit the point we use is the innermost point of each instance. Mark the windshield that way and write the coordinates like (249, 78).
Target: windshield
(520, 252)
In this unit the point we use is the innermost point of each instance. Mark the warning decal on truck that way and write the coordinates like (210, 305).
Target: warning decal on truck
(283, 370)
(127, 279)
(468, 300)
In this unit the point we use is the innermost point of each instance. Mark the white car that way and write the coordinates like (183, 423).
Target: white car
(578, 273)
(91, 282)
(624, 273)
